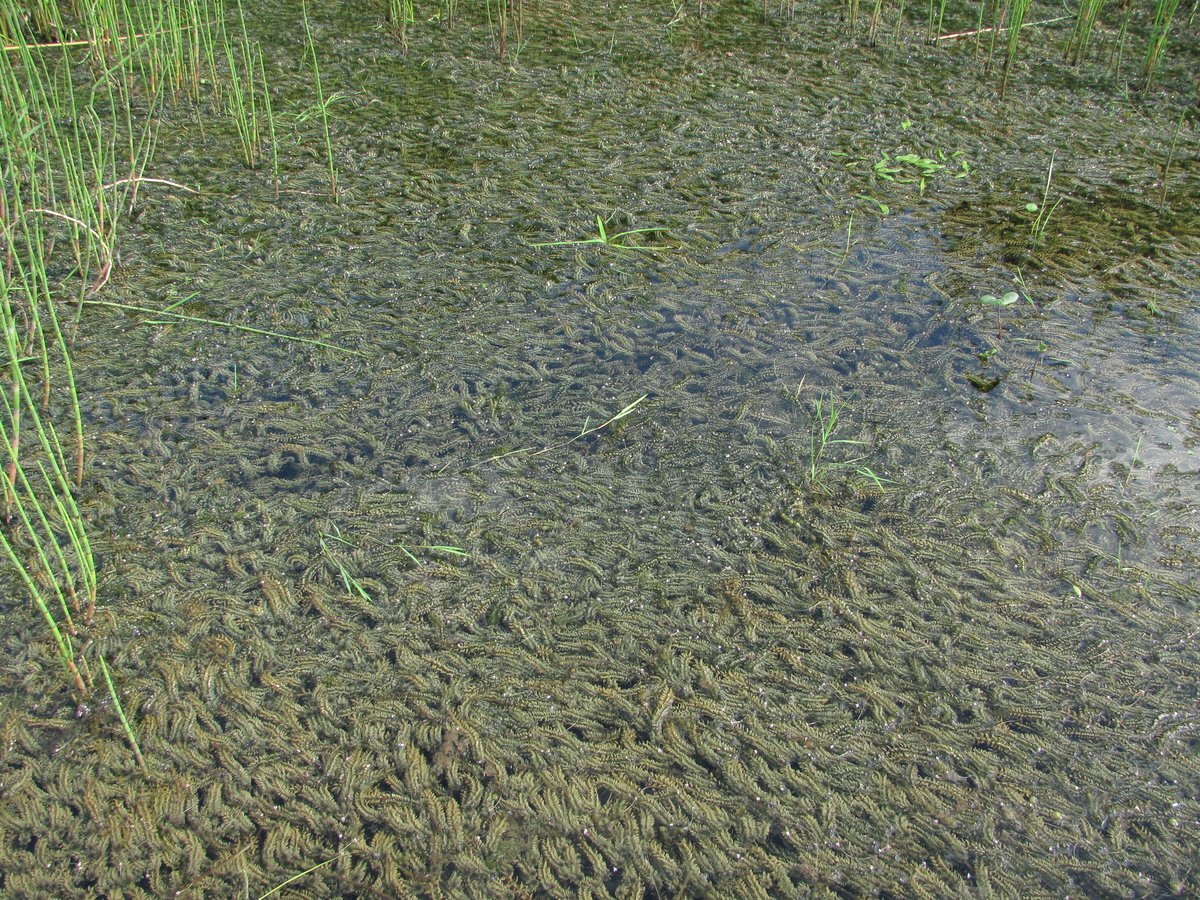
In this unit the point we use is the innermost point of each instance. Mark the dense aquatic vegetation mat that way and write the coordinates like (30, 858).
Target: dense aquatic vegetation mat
(562, 582)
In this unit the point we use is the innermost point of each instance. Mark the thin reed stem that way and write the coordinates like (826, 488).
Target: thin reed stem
(321, 102)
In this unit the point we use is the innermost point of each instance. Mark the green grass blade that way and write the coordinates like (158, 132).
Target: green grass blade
(112, 691)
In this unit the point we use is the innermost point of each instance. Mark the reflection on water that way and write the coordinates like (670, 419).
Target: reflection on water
(671, 660)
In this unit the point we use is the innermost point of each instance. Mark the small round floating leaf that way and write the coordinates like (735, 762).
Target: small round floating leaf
(1031, 207)
(1007, 300)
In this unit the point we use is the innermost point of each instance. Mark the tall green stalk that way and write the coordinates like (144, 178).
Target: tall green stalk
(322, 103)
(1016, 19)
(401, 14)
(243, 99)
(270, 112)
(61, 143)
(873, 23)
(1085, 22)
(1118, 53)
(1164, 12)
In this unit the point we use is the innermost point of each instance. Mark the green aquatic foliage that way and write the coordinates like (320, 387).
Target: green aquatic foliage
(1164, 12)
(983, 385)
(909, 167)
(616, 240)
(1044, 210)
(827, 420)
(998, 303)
(323, 103)
(120, 709)
(882, 208)
(1085, 22)
(1014, 23)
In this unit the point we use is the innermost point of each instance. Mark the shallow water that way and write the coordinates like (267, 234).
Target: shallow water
(670, 661)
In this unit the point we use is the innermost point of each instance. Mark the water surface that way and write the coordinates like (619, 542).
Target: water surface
(670, 660)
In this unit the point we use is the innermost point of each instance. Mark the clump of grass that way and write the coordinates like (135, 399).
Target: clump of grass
(1044, 210)
(401, 14)
(934, 28)
(1164, 12)
(248, 100)
(609, 240)
(352, 584)
(1118, 52)
(873, 22)
(73, 155)
(1016, 20)
(826, 421)
(46, 539)
(1081, 36)
(505, 16)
